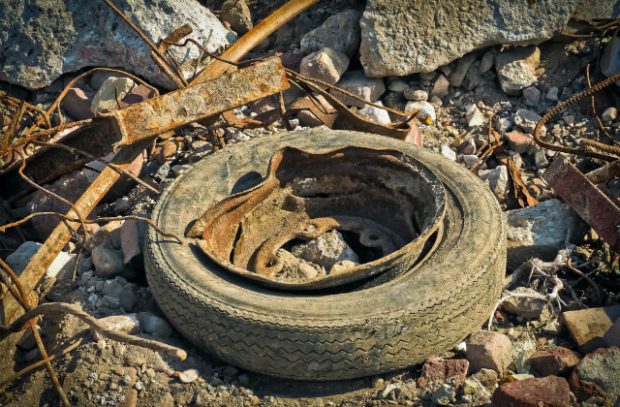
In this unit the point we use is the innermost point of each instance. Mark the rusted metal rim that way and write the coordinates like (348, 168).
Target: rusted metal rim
(386, 202)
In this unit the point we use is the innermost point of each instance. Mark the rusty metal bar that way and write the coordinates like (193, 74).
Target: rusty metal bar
(255, 36)
(201, 100)
(590, 203)
(62, 233)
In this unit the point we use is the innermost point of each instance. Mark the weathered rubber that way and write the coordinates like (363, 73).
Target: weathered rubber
(331, 336)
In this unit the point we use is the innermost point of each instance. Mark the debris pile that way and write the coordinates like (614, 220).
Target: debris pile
(85, 153)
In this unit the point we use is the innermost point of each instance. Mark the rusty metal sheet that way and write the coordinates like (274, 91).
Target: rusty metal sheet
(590, 203)
(201, 100)
(387, 203)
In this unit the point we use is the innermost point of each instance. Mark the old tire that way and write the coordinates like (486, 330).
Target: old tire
(337, 335)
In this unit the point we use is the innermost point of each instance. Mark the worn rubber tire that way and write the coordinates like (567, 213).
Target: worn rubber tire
(330, 336)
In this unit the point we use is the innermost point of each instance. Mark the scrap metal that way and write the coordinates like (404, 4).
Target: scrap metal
(590, 203)
(199, 101)
(134, 127)
(392, 204)
(254, 37)
(150, 118)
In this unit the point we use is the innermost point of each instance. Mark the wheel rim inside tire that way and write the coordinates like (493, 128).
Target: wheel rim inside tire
(385, 204)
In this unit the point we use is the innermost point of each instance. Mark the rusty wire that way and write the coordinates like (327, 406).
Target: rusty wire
(66, 218)
(24, 298)
(144, 38)
(20, 171)
(41, 362)
(98, 326)
(71, 84)
(607, 153)
(10, 137)
(95, 158)
(597, 291)
(594, 112)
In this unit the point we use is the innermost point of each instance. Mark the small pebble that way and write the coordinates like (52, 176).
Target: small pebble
(447, 152)
(531, 96)
(189, 375)
(416, 94)
(610, 114)
(552, 94)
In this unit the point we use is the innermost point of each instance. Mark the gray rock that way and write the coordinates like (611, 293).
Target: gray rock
(610, 60)
(108, 262)
(397, 85)
(426, 111)
(503, 124)
(447, 152)
(436, 100)
(469, 160)
(114, 287)
(487, 62)
(474, 116)
(526, 120)
(128, 323)
(128, 298)
(122, 205)
(497, 180)
(326, 250)
(417, 95)
(516, 69)
(109, 235)
(43, 39)
(444, 395)
(602, 368)
(468, 147)
(237, 14)
(446, 69)
(462, 66)
(369, 89)
(110, 94)
(326, 64)
(70, 186)
(405, 36)
(526, 307)
(61, 267)
(441, 86)
(552, 94)
(154, 325)
(339, 32)
(540, 158)
(612, 336)
(376, 114)
(541, 230)
(531, 96)
(132, 235)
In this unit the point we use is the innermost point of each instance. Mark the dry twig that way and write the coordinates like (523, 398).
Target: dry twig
(75, 310)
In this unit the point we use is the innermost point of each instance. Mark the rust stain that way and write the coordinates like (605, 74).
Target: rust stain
(199, 101)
